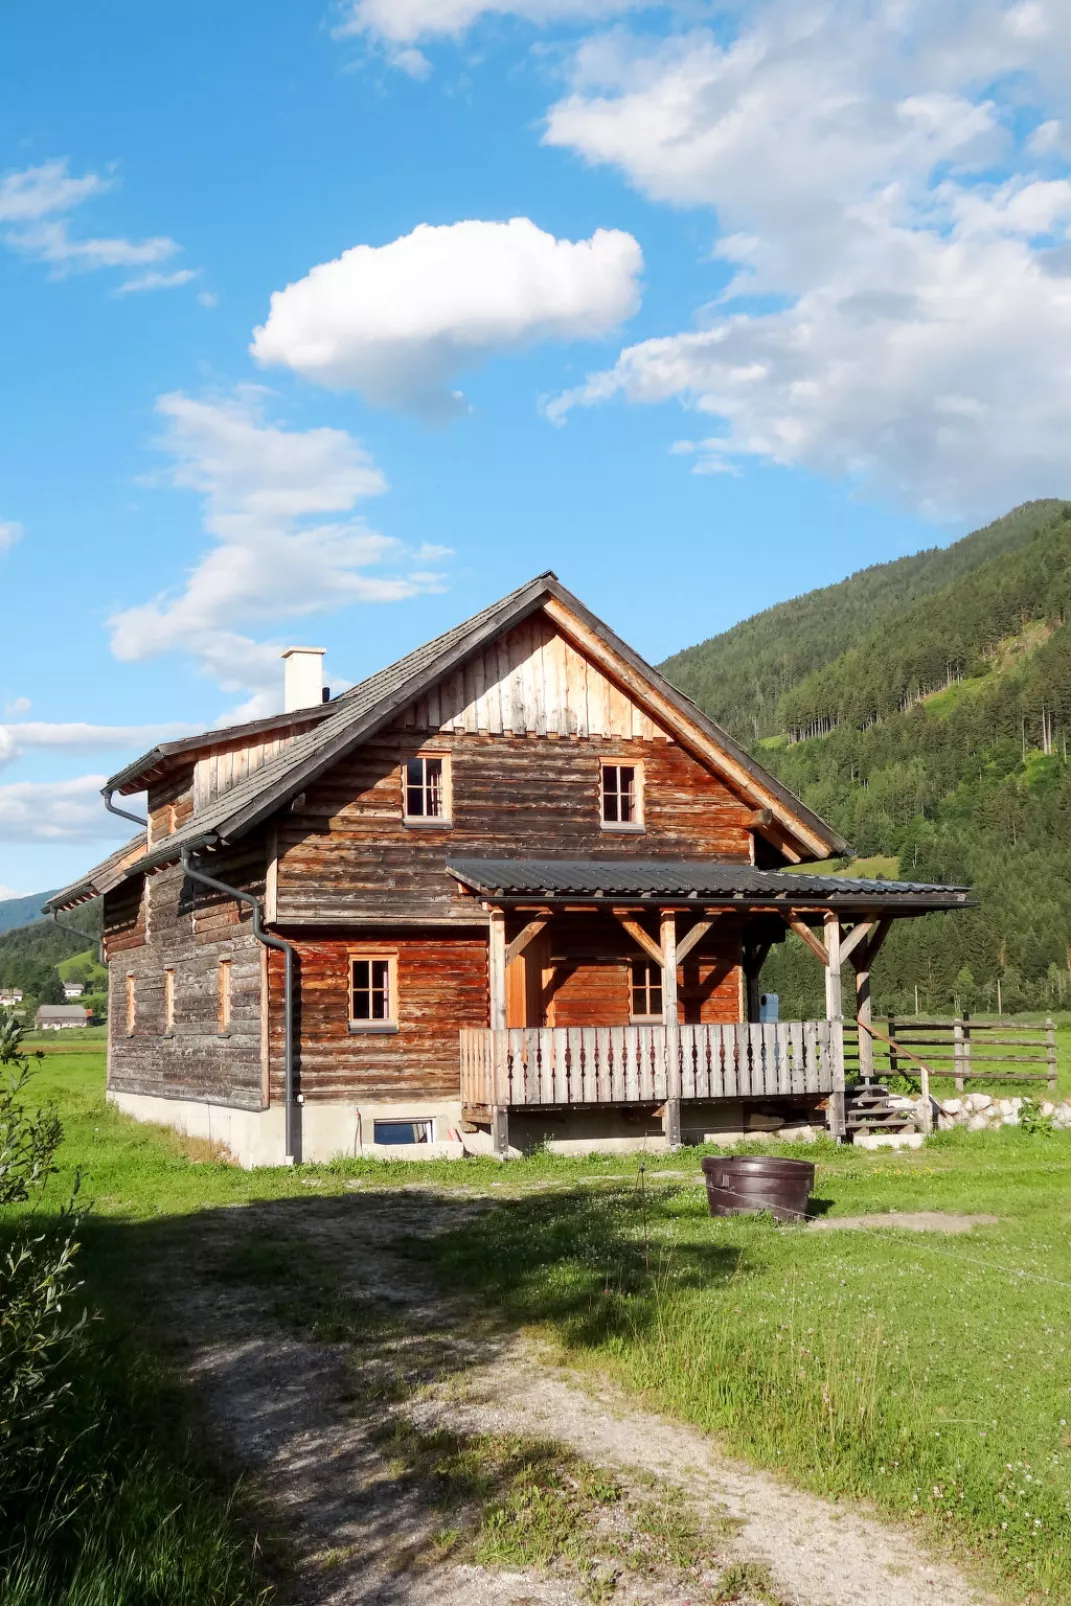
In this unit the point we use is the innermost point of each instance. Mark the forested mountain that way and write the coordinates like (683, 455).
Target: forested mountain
(935, 738)
(741, 676)
(30, 954)
(20, 911)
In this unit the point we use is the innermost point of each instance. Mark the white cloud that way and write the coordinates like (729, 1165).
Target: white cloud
(10, 532)
(279, 504)
(9, 892)
(157, 281)
(73, 735)
(899, 306)
(34, 208)
(400, 22)
(398, 322)
(57, 811)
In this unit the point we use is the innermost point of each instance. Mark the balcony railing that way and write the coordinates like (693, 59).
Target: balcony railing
(600, 1065)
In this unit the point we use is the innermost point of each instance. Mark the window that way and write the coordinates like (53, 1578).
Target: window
(646, 991)
(169, 1001)
(403, 1131)
(131, 1005)
(426, 790)
(372, 990)
(224, 997)
(622, 797)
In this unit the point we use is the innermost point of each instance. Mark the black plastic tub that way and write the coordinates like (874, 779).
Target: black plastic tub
(746, 1183)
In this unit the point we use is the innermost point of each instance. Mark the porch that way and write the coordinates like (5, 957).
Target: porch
(696, 934)
(559, 1067)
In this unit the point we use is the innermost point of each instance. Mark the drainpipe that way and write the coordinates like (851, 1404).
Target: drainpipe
(73, 931)
(285, 948)
(113, 808)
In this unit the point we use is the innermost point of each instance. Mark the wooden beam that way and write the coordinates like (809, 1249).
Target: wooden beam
(523, 938)
(497, 968)
(693, 937)
(834, 1006)
(671, 1121)
(805, 934)
(851, 942)
(639, 936)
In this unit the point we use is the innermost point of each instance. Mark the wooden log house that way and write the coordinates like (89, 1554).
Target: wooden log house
(514, 888)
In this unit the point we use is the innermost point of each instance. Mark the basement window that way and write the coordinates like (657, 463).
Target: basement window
(404, 1131)
(373, 988)
(622, 797)
(426, 798)
(646, 991)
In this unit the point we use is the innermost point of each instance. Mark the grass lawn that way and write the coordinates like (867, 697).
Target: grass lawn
(928, 1375)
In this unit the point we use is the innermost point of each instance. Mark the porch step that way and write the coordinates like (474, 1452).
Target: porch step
(867, 1109)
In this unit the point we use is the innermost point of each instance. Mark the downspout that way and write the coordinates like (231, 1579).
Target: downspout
(113, 808)
(287, 950)
(73, 931)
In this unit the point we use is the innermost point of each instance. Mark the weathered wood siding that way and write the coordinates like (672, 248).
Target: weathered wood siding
(589, 979)
(442, 986)
(531, 682)
(223, 765)
(166, 923)
(347, 854)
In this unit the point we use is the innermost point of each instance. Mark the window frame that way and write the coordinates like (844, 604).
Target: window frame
(636, 766)
(649, 966)
(389, 1024)
(131, 1003)
(429, 822)
(169, 1001)
(224, 1000)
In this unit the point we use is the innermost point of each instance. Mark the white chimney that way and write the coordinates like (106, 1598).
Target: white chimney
(304, 677)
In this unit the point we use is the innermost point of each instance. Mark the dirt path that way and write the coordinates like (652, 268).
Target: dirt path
(382, 1427)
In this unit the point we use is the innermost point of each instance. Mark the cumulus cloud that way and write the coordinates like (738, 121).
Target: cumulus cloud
(399, 322)
(898, 255)
(278, 504)
(400, 22)
(34, 218)
(10, 532)
(76, 735)
(56, 811)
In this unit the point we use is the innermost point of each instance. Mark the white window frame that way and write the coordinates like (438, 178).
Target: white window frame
(371, 956)
(432, 822)
(655, 980)
(636, 766)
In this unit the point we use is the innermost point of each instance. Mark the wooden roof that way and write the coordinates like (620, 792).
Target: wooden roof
(707, 881)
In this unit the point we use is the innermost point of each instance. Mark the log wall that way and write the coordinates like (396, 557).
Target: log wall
(165, 922)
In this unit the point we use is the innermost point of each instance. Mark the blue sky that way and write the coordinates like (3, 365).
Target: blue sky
(700, 306)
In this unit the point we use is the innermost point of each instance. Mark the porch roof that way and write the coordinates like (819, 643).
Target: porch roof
(692, 881)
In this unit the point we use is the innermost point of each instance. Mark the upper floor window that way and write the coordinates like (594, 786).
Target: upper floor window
(426, 790)
(622, 797)
(373, 988)
(646, 982)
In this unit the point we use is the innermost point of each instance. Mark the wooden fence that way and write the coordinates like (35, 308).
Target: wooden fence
(962, 1049)
(601, 1065)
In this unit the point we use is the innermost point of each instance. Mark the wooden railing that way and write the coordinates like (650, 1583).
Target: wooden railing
(599, 1065)
(963, 1050)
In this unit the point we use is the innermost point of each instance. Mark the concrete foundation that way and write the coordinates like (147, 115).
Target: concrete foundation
(331, 1131)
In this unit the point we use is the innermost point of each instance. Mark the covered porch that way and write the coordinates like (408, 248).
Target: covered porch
(697, 935)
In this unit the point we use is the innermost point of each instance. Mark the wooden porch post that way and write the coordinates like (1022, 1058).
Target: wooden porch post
(863, 954)
(834, 1014)
(499, 1088)
(672, 1122)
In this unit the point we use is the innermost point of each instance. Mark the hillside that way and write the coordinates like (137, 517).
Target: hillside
(937, 738)
(21, 911)
(30, 955)
(741, 676)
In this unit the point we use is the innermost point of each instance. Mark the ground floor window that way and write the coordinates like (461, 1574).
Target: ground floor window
(373, 986)
(646, 991)
(404, 1131)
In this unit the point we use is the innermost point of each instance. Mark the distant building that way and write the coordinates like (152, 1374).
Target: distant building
(58, 1017)
(73, 989)
(9, 996)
